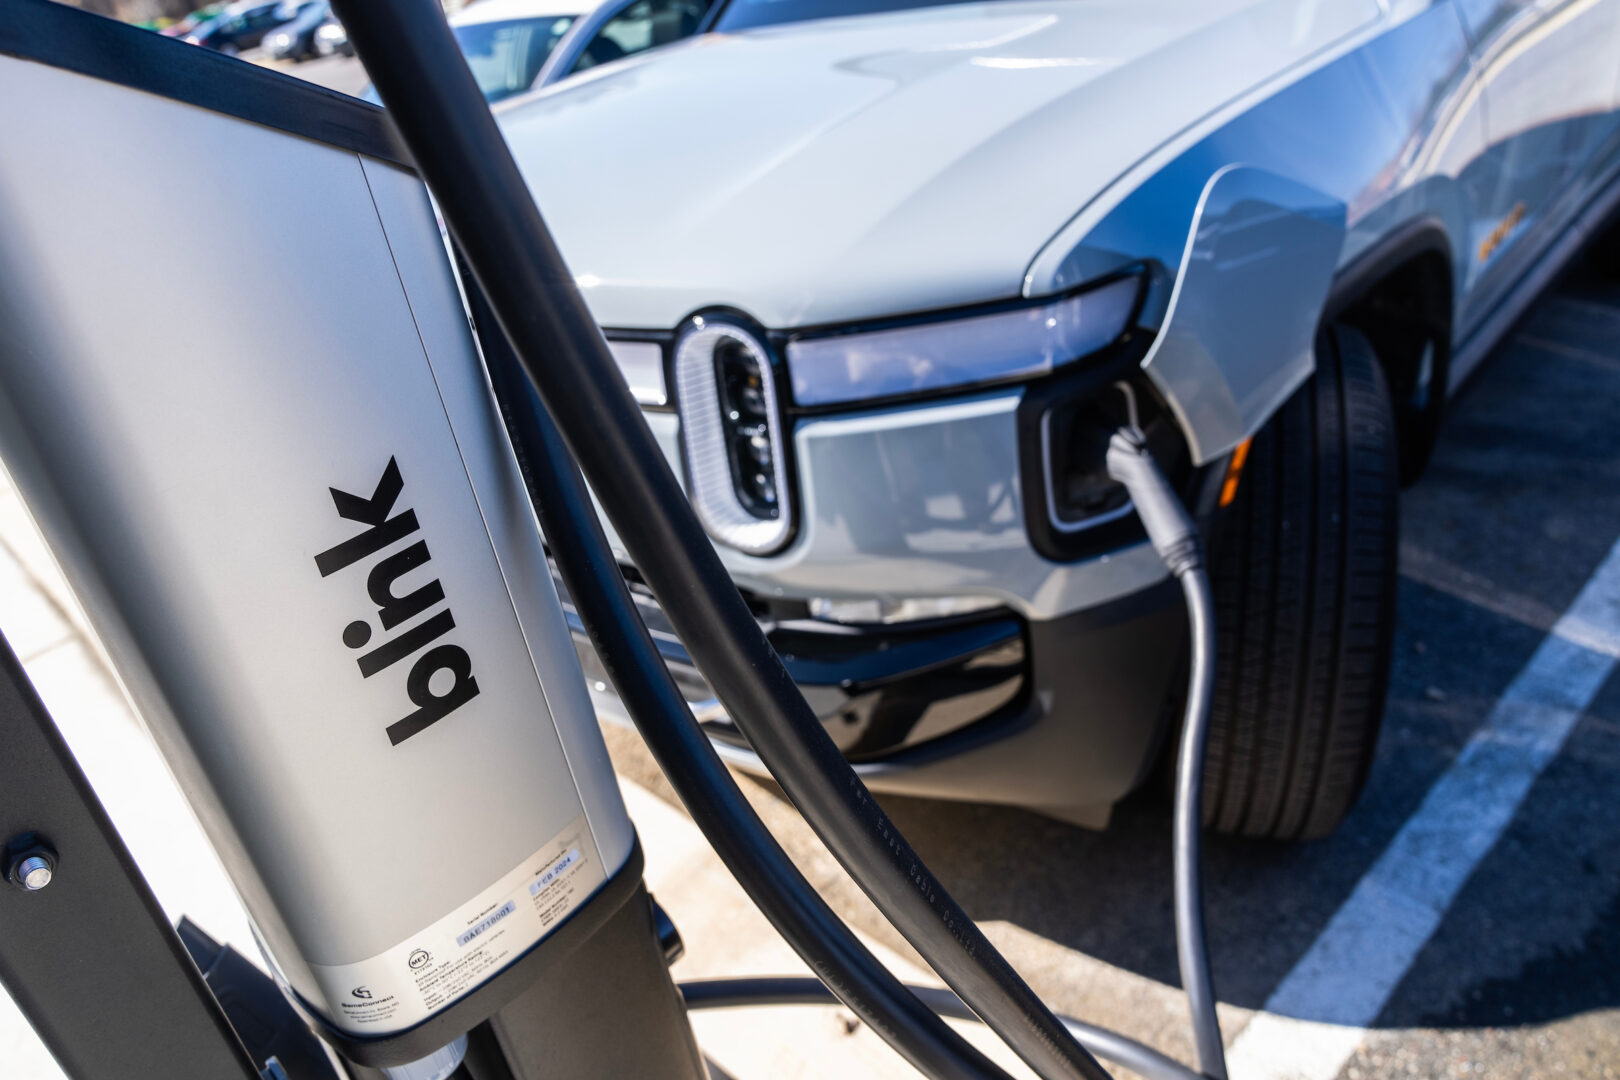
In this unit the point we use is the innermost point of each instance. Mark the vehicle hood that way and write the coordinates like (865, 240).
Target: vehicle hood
(854, 168)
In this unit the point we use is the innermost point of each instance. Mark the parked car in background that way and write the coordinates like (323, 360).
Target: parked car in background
(624, 28)
(295, 38)
(331, 39)
(182, 27)
(517, 45)
(886, 275)
(240, 26)
(507, 42)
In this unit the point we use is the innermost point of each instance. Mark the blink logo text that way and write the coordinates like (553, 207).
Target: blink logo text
(385, 528)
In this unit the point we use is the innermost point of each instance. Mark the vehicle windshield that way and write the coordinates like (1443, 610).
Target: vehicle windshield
(744, 14)
(506, 56)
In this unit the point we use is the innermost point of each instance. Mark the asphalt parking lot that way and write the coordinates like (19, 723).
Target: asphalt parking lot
(1390, 949)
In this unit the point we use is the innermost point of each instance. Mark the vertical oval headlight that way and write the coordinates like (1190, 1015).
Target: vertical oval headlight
(732, 431)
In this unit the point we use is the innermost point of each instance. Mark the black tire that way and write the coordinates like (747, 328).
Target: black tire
(1303, 568)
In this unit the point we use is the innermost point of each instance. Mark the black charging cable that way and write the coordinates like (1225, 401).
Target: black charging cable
(421, 76)
(708, 791)
(419, 72)
(723, 814)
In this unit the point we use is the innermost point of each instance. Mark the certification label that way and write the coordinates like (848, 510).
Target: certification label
(434, 967)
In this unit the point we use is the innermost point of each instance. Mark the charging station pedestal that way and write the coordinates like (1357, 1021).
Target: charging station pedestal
(309, 553)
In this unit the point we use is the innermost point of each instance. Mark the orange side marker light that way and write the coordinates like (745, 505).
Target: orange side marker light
(1234, 470)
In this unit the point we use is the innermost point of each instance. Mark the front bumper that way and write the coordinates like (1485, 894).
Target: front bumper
(1056, 698)
(878, 690)
(1064, 716)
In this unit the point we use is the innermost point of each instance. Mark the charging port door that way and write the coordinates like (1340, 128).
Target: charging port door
(1255, 272)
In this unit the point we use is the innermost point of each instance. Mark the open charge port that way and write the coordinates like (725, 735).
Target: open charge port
(1075, 435)
(1072, 509)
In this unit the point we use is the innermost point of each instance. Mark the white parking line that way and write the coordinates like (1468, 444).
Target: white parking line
(1318, 1015)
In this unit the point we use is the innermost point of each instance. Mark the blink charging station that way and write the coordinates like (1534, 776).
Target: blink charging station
(314, 559)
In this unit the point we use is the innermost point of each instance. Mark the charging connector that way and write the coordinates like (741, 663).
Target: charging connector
(1170, 528)
(1174, 535)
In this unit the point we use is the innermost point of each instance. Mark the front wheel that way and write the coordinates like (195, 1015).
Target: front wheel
(1303, 567)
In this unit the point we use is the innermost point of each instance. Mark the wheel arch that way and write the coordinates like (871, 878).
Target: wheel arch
(1399, 294)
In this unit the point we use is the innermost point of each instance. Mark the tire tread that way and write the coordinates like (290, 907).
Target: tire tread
(1303, 573)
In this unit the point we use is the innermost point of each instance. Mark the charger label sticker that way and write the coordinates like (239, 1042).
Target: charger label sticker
(500, 913)
(441, 963)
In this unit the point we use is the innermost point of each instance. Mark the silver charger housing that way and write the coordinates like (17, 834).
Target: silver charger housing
(302, 538)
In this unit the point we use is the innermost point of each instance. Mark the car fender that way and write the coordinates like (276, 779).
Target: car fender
(1255, 271)
(1384, 126)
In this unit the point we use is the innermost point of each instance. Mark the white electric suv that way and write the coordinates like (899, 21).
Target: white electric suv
(884, 274)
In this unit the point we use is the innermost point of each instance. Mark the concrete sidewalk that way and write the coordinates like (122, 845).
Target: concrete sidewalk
(723, 932)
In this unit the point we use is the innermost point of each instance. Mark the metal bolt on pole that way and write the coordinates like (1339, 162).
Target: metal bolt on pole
(33, 872)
